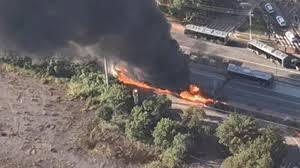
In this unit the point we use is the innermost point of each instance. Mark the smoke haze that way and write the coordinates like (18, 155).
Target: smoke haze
(134, 31)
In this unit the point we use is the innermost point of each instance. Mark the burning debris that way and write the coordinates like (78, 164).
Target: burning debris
(131, 31)
(193, 94)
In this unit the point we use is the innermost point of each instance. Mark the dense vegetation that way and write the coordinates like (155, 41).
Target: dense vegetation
(153, 122)
(249, 145)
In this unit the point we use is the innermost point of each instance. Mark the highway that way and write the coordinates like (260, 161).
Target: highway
(247, 94)
(242, 56)
(282, 98)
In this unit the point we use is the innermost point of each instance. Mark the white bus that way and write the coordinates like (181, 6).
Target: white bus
(269, 52)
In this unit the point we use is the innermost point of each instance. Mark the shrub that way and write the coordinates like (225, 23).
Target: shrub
(164, 132)
(137, 127)
(174, 155)
(105, 112)
(86, 84)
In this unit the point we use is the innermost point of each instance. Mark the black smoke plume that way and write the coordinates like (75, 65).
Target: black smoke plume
(134, 31)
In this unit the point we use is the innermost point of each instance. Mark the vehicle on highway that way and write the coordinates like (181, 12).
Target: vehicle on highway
(202, 32)
(291, 37)
(295, 64)
(269, 8)
(269, 52)
(264, 78)
(280, 20)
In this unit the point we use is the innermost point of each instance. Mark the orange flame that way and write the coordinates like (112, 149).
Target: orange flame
(128, 81)
(194, 93)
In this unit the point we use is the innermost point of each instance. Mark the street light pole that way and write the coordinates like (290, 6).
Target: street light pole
(105, 69)
(250, 23)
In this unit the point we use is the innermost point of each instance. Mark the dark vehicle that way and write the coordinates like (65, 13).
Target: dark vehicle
(269, 52)
(264, 78)
(295, 63)
(202, 32)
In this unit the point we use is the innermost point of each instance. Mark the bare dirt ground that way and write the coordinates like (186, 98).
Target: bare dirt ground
(40, 126)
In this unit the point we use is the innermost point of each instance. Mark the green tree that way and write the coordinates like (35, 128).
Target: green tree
(86, 84)
(256, 155)
(273, 143)
(158, 106)
(174, 155)
(117, 96)
(137, 128)
(178, 4)
(144, 118)
(237, 131)
(193, 116)
(164, 132)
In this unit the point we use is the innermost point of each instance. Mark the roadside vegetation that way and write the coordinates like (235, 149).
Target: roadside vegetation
(258, 24)
(184, 10)
(151, 133)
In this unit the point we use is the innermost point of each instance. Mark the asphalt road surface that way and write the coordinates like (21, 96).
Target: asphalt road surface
(247, 94)
(242, 56)
(281, 98)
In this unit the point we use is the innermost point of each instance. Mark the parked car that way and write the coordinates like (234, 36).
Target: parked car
(291, 36)
(269, 8)
(281, 21)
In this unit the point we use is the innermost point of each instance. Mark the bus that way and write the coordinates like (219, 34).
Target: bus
(203, 32)
(269, 52)
(264, 78)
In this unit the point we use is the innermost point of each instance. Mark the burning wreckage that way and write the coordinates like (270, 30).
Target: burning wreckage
(134, 32)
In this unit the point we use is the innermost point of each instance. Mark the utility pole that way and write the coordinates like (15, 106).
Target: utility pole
(105, 69)
(250, 23)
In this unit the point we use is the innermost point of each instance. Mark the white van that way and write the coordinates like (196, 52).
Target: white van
(290, 36)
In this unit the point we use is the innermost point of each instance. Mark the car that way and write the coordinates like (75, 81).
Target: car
(281, 21)
(295, 63)
(291, 37)
(269, 8)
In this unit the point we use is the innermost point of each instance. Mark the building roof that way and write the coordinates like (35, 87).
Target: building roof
(249, 72)
(268, 49)
(206, 30)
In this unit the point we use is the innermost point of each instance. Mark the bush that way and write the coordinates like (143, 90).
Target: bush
(193, 116)
(117, 96)
(174, 155)
(138, 127)
(158, 106)
(105, 112)
(164, 132)
(86, 84)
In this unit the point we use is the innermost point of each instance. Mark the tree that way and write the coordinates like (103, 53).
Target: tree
(138, 127)
(273, 143)
(164, 132)
(105, 112)
(117, 96)
(178, 4)
(174, 155)
(237, 131)
(158, 106)
(256, 155)
(144, 118)
(193, 116)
